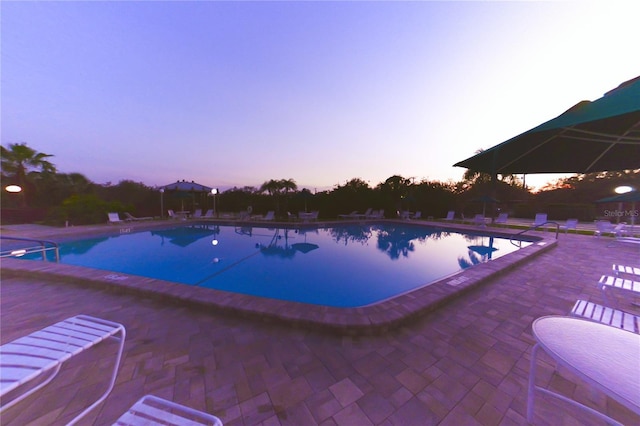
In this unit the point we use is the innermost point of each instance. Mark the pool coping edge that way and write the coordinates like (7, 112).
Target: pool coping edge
(372, 319)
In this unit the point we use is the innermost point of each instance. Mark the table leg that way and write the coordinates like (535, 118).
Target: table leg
(532, 383)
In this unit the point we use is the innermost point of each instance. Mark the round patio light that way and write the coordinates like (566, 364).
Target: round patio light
(623, 189)
(13, 188)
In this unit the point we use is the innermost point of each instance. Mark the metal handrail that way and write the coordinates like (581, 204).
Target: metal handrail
(533, 228)
(42, 248)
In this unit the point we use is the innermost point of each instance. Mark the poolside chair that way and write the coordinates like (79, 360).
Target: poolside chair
(569, 224)
(353, 215)
(114, 218)
(624, 286)
(37, 358)
(479, 220)
(151, 410)
(172, 214)
(269, 216)
(208, 214)
(197, 214)
(624, 269)
(416, 215)
(501, 219)
(129, 217)
(540, 219)
(376, 214)
(605, 315)
(621, 234)
(450, 215)
(603, 227)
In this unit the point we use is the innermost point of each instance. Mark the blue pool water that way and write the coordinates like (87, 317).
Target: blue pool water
(341, 266)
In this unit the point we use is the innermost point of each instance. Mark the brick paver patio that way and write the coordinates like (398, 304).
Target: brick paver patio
(467, 363)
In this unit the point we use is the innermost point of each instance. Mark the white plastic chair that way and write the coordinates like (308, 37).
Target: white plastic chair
(605, 315)
(625, 269)
(501, 219)
(269, 216)
(569, 224)
(151, 410)
(619, 284)
(539, 219)
(114, 218)
(40, 355)
(603, 227)
(479, 220)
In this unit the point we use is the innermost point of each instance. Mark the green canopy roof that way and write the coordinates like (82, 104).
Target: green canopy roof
(629, 197)
(602, 135)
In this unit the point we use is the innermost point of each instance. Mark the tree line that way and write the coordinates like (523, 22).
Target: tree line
(55, 198)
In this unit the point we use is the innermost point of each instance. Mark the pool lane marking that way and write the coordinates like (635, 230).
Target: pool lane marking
(224, 269)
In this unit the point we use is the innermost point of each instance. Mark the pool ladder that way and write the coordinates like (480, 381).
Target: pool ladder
(43, 246)
(518, 243)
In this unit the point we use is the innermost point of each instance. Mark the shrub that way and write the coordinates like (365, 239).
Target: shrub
(84, 210)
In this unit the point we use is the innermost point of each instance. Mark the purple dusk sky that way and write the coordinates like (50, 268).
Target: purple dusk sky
(236, 93)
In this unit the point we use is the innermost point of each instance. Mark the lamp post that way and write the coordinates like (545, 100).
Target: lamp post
(161, 203)
(214, 191)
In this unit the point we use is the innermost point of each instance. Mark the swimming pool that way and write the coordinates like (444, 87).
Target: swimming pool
(338, 266)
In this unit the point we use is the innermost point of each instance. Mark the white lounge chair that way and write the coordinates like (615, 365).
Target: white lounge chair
(38, 357)
(129, 217)
(501, 219)
(114, 218)
(197, 214)
(353, 215)
(151, 410)
(622, 235)
(606, 315)
(172, 214)
(416, 215)
(569, 224)
(208, 214)
(450, 215)
(624, 269)
(619, 284)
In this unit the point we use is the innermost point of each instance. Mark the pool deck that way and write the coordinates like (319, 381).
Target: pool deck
(464, 363)
(372, 319)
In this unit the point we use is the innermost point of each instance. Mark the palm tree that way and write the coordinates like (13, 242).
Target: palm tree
(272, 187)
(20, 161)
(288, 185)
(275, 188)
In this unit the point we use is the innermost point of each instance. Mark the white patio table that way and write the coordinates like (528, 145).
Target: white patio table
(606, 357)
